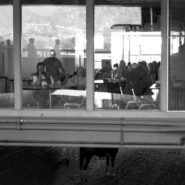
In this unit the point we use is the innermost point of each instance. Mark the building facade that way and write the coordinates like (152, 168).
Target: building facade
(144, 108)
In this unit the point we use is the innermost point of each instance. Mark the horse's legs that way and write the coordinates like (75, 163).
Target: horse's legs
(113, 157)
(107, 164)
(82, 158)
(84, 165)
(87, 161)
(107, 159)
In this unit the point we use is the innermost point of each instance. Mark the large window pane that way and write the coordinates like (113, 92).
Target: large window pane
(127, 56)
(6, 57)
(53, 55)
(177, 56)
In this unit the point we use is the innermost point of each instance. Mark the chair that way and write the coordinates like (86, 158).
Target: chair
(75, 105)
(71, 106)
(147, 107)
(122, 95)
(132, 105)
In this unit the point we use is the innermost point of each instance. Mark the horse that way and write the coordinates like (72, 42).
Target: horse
(87, 153)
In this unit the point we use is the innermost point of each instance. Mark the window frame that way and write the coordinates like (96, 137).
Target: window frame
(90, 111)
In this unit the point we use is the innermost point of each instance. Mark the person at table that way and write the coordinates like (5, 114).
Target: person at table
(40, 78)
(115, 70)
(153, 70)
(122, 70)
(121, 75)
(54, 68)
(40, 82)
(129, 67)
(137, 81)
(106, 70)
(78, 81)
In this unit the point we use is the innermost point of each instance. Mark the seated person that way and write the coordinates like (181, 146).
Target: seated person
(78, 81)
(106, 70)
(122, 70)
(54, 68)
(40, 76)
(115, 70)
(137, 80)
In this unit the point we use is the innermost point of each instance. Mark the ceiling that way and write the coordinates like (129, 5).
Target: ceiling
(142, 3)
(177, 6)
(99, 2)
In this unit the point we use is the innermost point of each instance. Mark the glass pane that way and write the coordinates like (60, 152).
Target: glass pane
(53, 55)
(6, 57)
(126, 67)
(177, 56)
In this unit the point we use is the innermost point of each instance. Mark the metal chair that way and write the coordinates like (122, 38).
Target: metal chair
(71, 106)
(147, 107)
(132, 105)
(75, 105)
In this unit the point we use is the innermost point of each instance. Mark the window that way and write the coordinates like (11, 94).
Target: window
(6, 56)
(177, 57)
(91, 42)
(126, 65)
(53, 56)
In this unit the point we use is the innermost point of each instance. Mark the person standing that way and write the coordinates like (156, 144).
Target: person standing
(31, 49)
(9, 64)
(57, 48)
(54, 68)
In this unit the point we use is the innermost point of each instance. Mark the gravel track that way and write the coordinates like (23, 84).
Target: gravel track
(40, 166)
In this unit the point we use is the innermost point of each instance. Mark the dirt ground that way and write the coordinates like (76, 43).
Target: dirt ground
(59, 166)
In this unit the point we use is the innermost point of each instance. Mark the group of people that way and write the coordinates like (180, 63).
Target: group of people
(135, 76)
(32, 50)
(132, 76)
(51, 72)
(6, 58)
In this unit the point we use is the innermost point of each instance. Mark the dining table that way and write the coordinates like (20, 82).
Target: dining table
(40, 91)
(113, 84)
(103, 100)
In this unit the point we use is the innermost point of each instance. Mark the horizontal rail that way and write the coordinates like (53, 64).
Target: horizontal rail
(102, 145)
(106, 125)
(118, 132)
(135, 122)
(88, 120)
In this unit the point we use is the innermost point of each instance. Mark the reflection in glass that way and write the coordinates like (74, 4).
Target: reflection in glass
(126, 67)
(177, 57)
(6, 57)
(54, 44)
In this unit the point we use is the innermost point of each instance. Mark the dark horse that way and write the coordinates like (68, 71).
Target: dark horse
(87, 153)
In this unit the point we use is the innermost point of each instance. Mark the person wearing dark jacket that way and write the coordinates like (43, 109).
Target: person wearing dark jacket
(54, 68)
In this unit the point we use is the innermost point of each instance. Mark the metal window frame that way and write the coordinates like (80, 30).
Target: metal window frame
(17, 27)
(165, 53)
(90, 112)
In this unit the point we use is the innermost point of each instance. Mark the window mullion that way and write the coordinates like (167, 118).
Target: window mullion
(165, 55)
(90, 54)
(17, 53)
